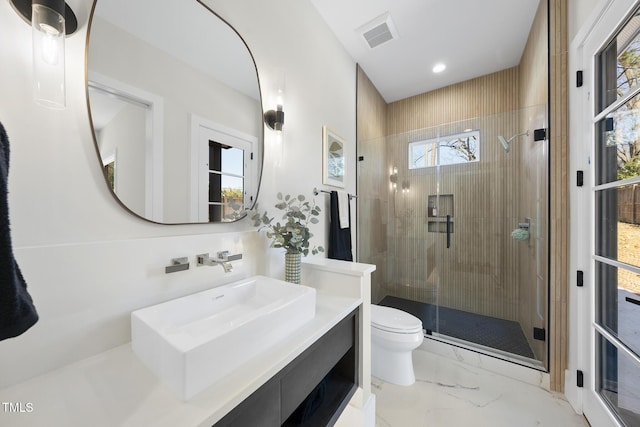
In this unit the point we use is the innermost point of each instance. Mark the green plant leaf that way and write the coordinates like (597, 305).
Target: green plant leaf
(293, 233)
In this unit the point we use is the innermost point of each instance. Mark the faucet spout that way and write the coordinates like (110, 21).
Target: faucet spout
(226, 265)
(223, 259)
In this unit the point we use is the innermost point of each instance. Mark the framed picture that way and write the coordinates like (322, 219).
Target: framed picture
(333, 159)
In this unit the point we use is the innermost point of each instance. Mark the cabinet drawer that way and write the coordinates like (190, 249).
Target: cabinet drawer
(262, 409)
(304, 374)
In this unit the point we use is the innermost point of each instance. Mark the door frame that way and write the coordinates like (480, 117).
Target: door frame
(154, 143)
(199, 176)
(603, 23)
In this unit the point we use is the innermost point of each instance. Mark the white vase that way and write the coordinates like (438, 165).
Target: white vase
(292, 268)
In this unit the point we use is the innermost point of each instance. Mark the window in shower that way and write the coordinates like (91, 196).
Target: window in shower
(447, 150)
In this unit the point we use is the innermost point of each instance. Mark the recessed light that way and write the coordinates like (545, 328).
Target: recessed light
(438, 68)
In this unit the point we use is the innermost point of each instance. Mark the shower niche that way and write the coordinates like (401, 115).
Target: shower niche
(440, 213)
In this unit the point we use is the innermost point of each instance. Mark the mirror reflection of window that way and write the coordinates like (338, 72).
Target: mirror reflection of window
(446, 150)
(226, 181)
(110, 173)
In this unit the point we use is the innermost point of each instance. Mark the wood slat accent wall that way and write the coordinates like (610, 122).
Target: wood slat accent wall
(483, 96)
(478, 273)
(559, 206)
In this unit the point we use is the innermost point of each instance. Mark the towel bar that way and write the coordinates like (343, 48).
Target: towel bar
(316, 192)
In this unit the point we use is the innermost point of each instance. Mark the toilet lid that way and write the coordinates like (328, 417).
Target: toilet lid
(394, 320)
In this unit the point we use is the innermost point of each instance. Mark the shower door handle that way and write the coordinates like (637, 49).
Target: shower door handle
(448, 231)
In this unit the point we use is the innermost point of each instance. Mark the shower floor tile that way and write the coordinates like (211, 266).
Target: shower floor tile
(500, 334)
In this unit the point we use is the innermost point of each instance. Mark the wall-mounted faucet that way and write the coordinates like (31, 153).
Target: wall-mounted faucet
(223, 259)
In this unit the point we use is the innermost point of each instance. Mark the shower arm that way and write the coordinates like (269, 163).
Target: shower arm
(517, 135)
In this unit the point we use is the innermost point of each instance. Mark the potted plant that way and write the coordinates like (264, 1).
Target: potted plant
(292, 233)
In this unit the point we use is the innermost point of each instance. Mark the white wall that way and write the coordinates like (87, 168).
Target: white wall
(87, 262)
(125, 135)
(579, 11)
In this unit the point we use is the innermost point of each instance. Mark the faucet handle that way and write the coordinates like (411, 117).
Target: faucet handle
(177, 264)
(224, 256)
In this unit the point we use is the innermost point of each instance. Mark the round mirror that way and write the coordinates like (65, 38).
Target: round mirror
(174, 102)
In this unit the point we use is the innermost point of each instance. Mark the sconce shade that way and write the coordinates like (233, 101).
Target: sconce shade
(274, 118)
(24, 9)
(48, 33)
(51, 21)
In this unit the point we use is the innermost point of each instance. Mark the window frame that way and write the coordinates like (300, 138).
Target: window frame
(438, 141)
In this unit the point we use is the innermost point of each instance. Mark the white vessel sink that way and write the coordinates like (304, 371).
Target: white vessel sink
(193, 341)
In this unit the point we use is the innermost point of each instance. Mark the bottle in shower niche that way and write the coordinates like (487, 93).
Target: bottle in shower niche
(431, 207)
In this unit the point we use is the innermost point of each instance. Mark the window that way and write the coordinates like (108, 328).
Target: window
(617, 224)
(448, 150)
(226, 181)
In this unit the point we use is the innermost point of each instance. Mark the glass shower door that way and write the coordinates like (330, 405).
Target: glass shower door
(491, 200)
(455, 218)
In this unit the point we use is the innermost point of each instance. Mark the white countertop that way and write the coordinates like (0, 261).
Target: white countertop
(114, 388)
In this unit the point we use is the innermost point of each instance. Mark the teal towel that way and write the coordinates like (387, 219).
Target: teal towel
(520, 234)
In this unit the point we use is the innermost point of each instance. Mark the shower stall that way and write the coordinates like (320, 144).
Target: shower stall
(455, 217)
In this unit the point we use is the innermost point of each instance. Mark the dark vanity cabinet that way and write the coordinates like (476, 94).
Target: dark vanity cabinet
(312, 390)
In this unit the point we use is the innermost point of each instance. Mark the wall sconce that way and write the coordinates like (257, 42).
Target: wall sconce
(275, 118)
(405, 186)
(51, 21)
(393, 178)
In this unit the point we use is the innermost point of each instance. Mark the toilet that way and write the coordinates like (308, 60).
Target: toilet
(394, 336)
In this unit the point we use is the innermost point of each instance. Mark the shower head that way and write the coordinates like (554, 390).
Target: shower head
(506, 143)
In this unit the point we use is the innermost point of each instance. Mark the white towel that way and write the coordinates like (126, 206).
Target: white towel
(343, 208)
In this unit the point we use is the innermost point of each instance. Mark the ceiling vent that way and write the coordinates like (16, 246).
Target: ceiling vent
(378, 31)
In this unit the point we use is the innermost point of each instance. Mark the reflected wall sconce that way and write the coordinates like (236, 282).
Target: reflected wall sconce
(405, 186)
(51, 21)
(393, 178)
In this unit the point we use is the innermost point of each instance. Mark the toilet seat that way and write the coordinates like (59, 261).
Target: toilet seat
(392, 320)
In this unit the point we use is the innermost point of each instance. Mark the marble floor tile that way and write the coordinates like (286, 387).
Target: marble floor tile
(448, 393)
